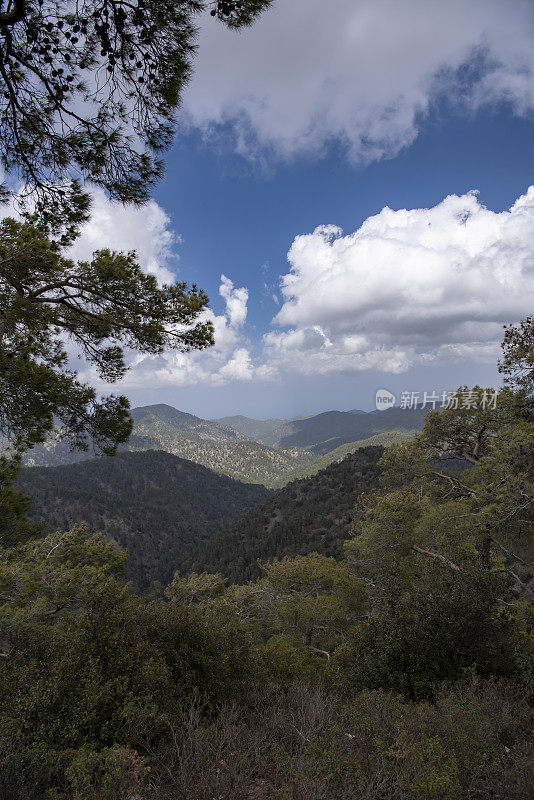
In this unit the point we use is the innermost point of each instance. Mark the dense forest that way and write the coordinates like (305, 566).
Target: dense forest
(171, 514)
(307, 515)
(157, 506)
(402, 669)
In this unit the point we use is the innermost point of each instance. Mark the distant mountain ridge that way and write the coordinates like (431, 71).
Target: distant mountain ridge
(181, 420)
(269, 452)
(260, 430)
(158, 506)
(331, 429)
(214, 445)
(321, 433)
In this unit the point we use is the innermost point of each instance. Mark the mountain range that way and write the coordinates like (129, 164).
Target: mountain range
(271, 452)
(324, 432)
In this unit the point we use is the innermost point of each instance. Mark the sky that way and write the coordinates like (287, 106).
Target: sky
(353, 185)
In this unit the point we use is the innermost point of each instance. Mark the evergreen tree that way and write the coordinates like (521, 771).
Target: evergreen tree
(101, 306)
(90, 90)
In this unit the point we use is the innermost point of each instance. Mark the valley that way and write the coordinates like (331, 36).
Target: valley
(268, 452)
(188, 493)
(156, 505)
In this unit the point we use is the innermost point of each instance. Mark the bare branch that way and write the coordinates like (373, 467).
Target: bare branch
(438, 556)
(318, 650)
(512, 555)
(455, 482)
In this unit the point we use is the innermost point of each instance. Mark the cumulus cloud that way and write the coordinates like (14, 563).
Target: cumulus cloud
(364, 73)
(236, 302)
(114, 226)
(227, 361)
(409, 287)
(146, 229)
(239, 367)
(228, 326)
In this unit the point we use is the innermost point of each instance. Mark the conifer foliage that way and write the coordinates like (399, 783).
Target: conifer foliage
(89, 90)
(101, 306)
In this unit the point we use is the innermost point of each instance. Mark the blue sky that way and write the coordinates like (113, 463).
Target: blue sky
(240, 220)
(310, 120)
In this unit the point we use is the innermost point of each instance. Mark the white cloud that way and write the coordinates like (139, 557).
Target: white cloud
(236, 302)
(228, 325)
(239, 367)
(227, 361)
(120, 227)
(124, 228)
(361, 72)
(409, 287)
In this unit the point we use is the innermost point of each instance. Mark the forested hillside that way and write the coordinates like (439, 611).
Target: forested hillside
(148, 418)
(325, 432)
(312, 514)
(253, 451)
(321, 462)
(242, 459)
(216, 446)
(170, 512)
(156, 505)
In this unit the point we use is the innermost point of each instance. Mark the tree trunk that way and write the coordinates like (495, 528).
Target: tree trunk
(484, 553)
